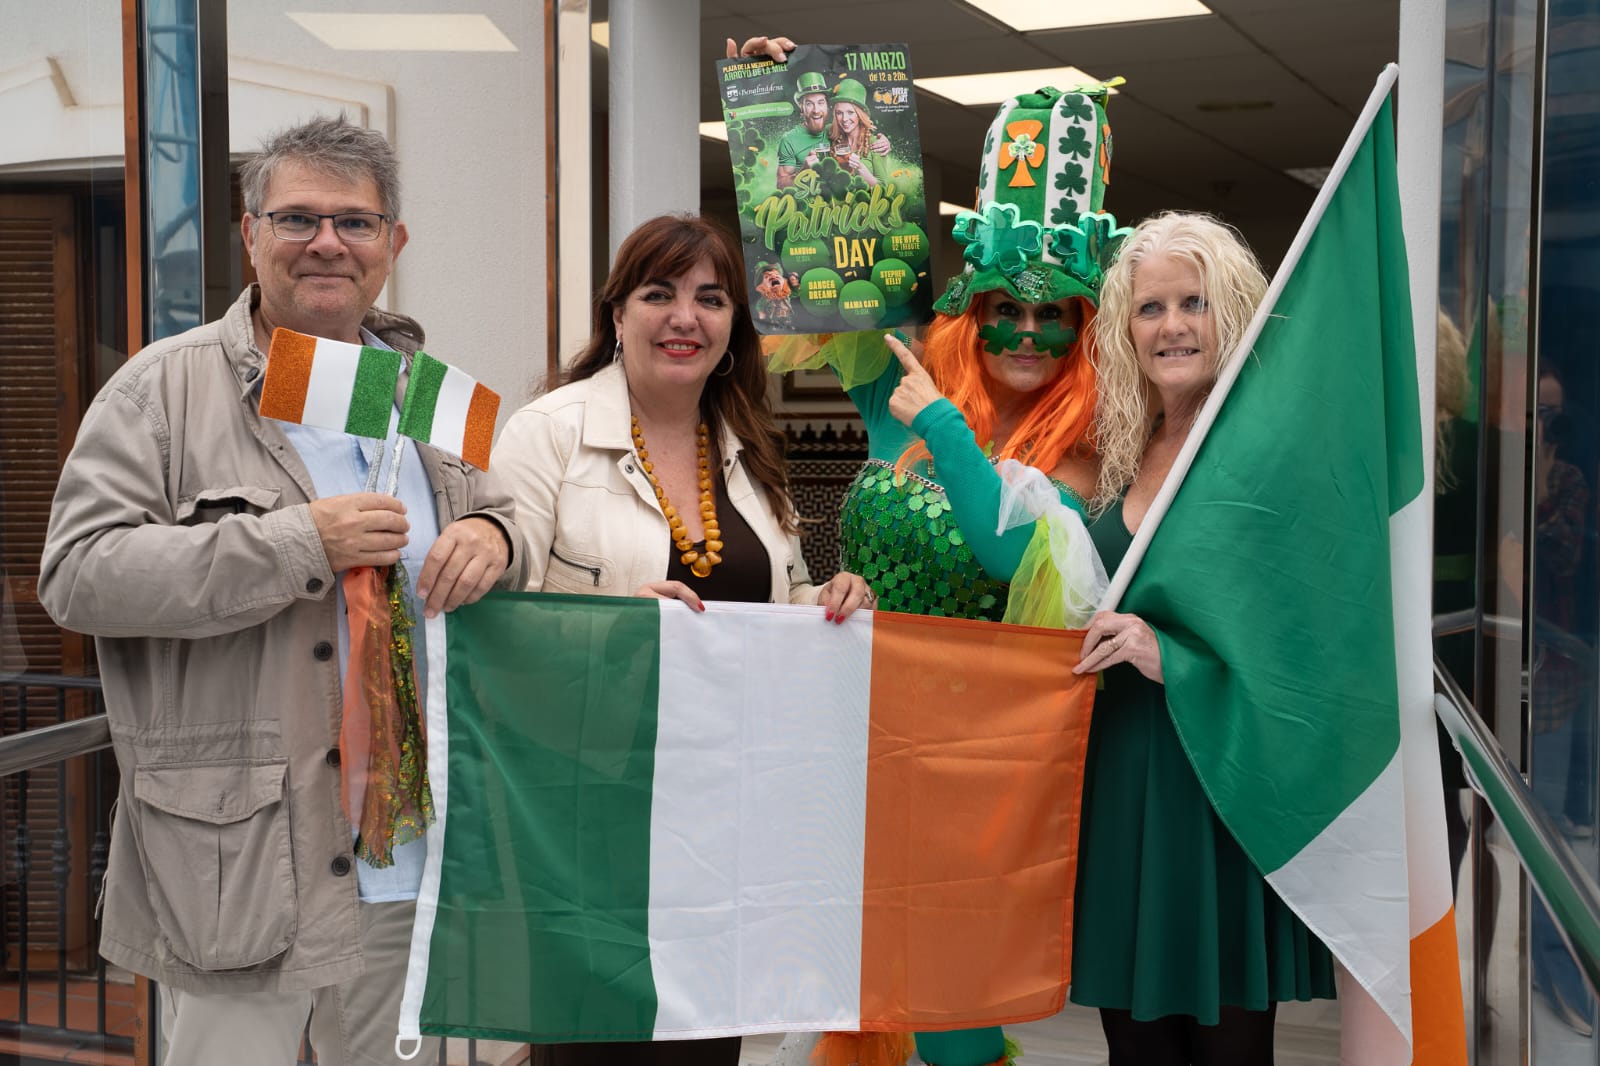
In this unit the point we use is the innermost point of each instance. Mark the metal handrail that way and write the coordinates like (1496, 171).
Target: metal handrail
(1569, 893)
(33, 748)
(53, 743)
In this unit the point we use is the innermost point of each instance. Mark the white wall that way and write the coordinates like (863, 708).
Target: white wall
(469, 130)
(468, 127)
(60, 84)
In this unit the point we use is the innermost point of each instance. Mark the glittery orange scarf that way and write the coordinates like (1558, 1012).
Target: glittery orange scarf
(381, 743)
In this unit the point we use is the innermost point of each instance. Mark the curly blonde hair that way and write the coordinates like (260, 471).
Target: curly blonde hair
(1232, 283)
(1452, 391)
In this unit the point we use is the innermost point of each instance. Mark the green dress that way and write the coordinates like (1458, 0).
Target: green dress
(1170, 916)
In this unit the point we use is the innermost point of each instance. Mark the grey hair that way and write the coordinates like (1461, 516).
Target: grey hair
(332, 146)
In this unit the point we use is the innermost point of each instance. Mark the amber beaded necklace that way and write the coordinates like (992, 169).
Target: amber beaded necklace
(699, 565)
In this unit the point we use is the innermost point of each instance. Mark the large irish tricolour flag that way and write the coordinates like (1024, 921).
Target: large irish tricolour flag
(1289, 583)
(655, 823)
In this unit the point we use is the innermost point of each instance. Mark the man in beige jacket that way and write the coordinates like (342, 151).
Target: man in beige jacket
(202, 545)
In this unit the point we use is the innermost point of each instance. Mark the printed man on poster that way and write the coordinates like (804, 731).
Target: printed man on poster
(827, 170)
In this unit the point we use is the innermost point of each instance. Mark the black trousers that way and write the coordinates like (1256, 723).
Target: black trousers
(1240, 1038)
(723, 1051)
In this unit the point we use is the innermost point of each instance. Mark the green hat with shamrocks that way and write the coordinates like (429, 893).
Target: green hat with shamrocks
(809, 82)
(1038, 231)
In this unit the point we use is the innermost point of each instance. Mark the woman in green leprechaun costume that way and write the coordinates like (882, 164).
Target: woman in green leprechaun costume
(1005, 374)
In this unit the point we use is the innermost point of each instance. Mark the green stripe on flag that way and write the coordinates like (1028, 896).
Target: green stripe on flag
(372, 395)
(1269, 578)
(422, 393)
(551, 761)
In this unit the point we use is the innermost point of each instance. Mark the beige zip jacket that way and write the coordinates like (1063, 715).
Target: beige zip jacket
(181, 539)
(592, 523)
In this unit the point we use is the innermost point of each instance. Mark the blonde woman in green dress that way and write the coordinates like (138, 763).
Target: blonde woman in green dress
(1178, 939)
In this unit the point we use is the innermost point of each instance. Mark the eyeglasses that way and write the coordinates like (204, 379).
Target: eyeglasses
(349, 226)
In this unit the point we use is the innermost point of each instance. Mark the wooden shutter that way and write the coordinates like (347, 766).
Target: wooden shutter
(40, 402)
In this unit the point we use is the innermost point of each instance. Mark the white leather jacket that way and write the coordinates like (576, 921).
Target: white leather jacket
(590, 520)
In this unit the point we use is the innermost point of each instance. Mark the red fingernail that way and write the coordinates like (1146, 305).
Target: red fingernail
(827, 614)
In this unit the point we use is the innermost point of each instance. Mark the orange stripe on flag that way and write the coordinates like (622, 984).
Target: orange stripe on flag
(283, 393)
(1438, 1026)
(479, 432)
(982, 827)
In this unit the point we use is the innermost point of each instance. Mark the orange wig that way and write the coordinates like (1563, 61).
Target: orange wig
(1062, 416)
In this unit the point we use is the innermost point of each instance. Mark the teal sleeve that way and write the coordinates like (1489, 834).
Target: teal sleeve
(887, 436)
(973, 487)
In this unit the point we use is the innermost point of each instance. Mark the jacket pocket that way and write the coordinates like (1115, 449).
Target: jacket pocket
(217, 860)
(212, 505)
(571, 571)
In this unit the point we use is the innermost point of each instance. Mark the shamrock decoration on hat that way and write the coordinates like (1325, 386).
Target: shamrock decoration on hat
(1038, 231)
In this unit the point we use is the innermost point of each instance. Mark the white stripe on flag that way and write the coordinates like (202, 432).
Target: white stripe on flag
(448, 431)
(438, 719)
(1348, 884)
(1367, 1035)
(786, 823)
(332, 383)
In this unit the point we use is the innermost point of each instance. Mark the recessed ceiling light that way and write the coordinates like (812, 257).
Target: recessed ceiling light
(948, 208)
(404, 33)
(600, 34)
(717, 131)
(1312, 176)
(993, 88)
(1055, 15)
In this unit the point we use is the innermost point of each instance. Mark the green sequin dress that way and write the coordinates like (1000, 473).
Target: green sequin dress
(1171, 917)
(901, 533)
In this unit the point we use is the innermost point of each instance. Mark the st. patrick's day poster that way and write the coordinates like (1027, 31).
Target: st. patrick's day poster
(827, 167)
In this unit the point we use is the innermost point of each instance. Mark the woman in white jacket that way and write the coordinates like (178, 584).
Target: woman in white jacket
(657, 470)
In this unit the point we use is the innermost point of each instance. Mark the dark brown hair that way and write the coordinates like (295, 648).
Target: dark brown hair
(665, 247)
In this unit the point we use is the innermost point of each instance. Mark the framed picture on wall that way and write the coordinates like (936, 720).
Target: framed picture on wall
(819, 384)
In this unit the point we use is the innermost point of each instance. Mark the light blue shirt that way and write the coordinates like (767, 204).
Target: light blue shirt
(338, 464)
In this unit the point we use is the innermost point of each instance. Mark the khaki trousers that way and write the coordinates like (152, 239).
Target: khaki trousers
(352, 1024)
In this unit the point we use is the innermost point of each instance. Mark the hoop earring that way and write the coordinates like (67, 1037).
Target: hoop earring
(721, 373)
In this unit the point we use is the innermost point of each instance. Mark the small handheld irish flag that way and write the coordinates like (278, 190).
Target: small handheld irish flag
(449, 410)
(318, 382)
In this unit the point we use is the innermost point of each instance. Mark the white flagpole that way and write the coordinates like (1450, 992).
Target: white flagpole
(1219, 392)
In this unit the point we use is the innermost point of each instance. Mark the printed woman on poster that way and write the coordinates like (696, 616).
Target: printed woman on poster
(853, 136)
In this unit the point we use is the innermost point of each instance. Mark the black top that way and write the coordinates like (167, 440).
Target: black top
(745, 573)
